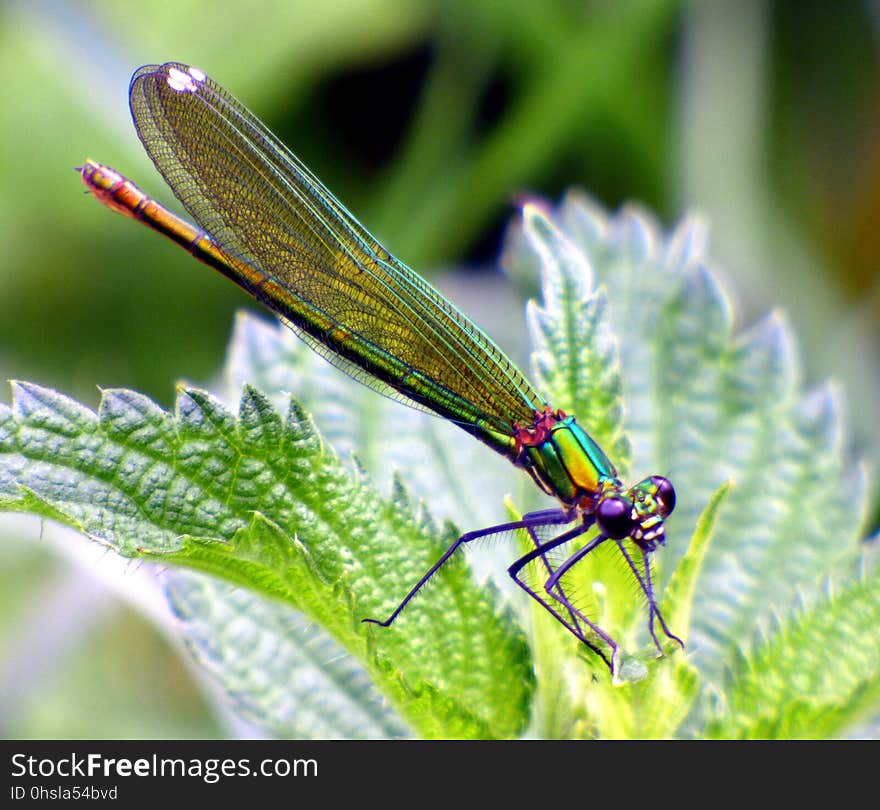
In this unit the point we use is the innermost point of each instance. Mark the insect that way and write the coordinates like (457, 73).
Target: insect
(267, 223)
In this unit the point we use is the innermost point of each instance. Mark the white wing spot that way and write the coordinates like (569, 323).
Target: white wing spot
(197, 74)
(180, 81)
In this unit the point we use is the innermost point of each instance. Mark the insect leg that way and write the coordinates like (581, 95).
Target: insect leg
(648, 588)
(574, 617)
(544, 517)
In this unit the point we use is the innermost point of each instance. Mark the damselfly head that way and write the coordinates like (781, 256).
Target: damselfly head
(638, 513)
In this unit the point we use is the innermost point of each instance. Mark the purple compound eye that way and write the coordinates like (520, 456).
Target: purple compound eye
(665, 494)
(614, 516)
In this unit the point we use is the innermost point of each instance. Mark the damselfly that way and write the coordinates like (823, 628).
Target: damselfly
(269, 224)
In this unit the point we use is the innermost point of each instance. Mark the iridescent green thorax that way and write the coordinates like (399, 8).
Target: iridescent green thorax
(562, 458)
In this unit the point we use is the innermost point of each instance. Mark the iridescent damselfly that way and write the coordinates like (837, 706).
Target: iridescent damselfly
(269, 225)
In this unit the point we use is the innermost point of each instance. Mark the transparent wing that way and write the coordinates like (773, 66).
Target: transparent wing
(361, 307)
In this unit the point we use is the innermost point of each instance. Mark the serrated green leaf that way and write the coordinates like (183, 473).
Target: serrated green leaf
(814, 676)
(262, 503)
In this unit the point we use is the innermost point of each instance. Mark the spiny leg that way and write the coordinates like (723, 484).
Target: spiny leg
(573, 559)
(543, 547)
(553, 585)
(544, 517)
(587, 521)
(648, 588)
(575, 614)
(657, 613)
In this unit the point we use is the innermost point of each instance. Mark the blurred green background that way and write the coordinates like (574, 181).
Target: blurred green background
(428, 119)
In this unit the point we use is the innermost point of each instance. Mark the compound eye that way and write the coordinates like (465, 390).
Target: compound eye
(614, 516)
(665, 494)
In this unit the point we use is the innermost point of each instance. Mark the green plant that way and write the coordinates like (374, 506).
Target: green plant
(780, 611)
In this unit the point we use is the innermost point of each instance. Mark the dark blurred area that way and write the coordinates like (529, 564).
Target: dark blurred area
(428, 119)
